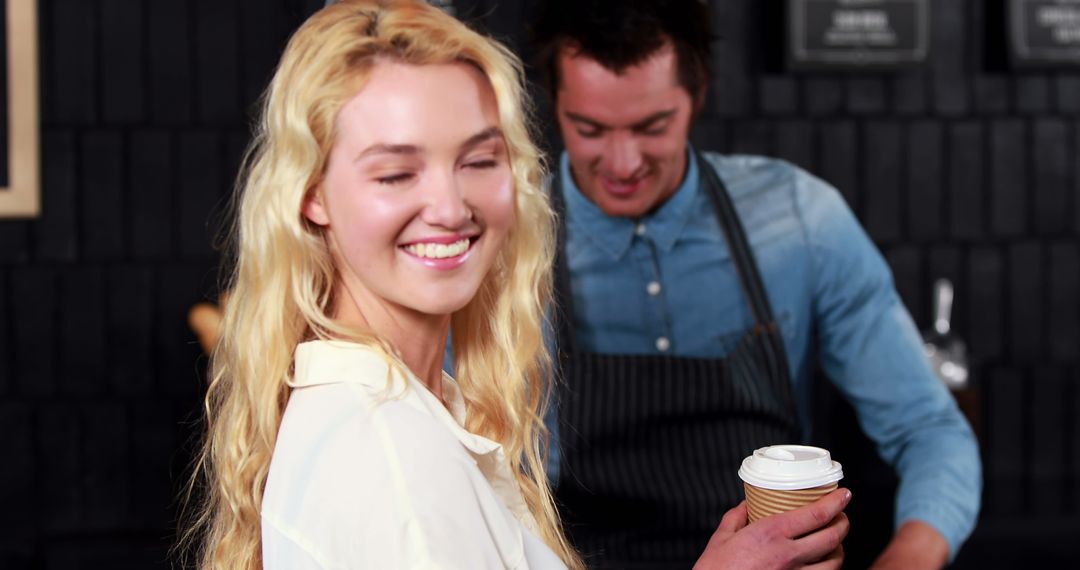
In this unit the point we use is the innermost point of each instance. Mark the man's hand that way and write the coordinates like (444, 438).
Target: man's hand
(808, 537)
(916, 546)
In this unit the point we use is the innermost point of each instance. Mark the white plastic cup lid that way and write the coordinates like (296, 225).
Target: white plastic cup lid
(788, 467)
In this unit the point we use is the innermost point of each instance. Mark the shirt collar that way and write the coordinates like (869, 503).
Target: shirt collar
(337, 361)
(614, 234)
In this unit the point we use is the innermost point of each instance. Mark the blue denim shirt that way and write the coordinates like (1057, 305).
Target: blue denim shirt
(665, 283)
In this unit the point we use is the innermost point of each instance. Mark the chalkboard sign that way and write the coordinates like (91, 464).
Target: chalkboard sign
(19, 169)
(853, 35)
(1045, 33)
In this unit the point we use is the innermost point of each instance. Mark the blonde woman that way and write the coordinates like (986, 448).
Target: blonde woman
(392, 192)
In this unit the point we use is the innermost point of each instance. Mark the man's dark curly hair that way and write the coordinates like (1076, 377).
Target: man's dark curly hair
(621, 33)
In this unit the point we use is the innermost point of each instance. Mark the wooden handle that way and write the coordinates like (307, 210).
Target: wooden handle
(205, 320)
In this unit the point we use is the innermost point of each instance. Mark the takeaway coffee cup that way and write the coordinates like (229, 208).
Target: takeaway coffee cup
(780, 478)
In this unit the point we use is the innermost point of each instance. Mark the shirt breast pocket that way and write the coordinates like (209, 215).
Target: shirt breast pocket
(785, 319)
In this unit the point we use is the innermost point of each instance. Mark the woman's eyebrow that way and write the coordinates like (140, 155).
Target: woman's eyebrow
(481, 137)
(411, 149)
(383, 148)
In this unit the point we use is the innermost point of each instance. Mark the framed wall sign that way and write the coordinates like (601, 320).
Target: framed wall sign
(20, 156)
(1044, 33)
(854, 35)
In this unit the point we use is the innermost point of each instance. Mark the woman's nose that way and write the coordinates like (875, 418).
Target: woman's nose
(446, 205)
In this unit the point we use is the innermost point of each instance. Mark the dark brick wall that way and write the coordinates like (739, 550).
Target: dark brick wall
(961, 169)
(145, 111)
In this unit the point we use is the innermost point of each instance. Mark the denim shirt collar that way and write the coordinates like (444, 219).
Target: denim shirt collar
(614, 234)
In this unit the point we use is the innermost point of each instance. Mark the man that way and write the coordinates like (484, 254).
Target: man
(698, 293)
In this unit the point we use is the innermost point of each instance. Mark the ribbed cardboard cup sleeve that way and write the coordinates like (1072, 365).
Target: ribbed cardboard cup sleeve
(761, 503)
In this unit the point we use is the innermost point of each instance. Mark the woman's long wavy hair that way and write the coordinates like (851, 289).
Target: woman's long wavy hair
(282, 276)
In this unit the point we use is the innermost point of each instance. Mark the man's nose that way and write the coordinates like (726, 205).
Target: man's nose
(445, 204)
(623, 155)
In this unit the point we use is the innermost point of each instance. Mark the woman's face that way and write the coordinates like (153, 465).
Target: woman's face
(418, 196)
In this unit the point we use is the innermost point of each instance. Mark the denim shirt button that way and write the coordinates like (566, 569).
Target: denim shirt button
(663, 344)
(653, 288)
(639, 229)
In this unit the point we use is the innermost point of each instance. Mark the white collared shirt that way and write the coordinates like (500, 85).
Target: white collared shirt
(370, 470)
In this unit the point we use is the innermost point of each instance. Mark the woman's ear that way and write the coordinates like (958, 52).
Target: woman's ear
(314, 207)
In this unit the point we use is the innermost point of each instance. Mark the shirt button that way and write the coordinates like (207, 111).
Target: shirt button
(640, 229)
(653, 288)
(663, 344)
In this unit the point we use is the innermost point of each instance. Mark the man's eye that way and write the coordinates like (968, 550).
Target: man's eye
(653, 130)
(589, 133)
(394, 178)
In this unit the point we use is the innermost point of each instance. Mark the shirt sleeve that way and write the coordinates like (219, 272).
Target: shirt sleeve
(870, 348)
(551, 415)
(281, 550)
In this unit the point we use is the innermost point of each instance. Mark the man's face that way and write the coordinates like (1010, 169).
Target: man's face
(625, 133)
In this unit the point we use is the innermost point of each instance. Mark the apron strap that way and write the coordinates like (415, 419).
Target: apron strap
(564, 297)
(765, 324)
(735, 234)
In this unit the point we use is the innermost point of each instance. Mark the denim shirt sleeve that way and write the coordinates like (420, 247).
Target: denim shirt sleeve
(872, 351)
(551, 416)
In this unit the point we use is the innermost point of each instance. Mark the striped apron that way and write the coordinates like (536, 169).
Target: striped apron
(652, 443)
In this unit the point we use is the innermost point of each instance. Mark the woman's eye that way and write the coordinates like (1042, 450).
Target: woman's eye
(394, 178)
(483, 163)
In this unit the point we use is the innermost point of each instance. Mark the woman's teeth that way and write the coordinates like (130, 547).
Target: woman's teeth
(438, 250)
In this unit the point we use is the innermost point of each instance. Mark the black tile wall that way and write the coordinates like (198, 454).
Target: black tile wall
(795, 143)
(909, 94)
(960, 169)
(1063, 327)
(6, 370)
(103, 209)
(216, 61)
(986, 299)
(837, 147)
(170, 67)
(146, 107)
(1048, 463)
(824, 95)
(33, 306)
(1068, 94)
(1032, 94)
(752, 137)
(948, 66)
(152, 177)
(965, 191)
(123, 87)
(70, 47)
(1006, 407)
(130, 314)
(82, 349)
(1008, 178)
(882, 175)
(779, 95)
(1051, 167)
(865, 95)
(56, 231)
(1026, 302)
(17, 478)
